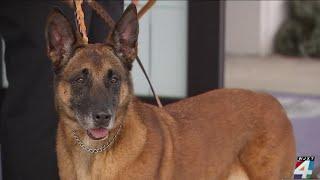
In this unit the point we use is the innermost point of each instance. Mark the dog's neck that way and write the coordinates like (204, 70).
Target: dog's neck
(128, 144)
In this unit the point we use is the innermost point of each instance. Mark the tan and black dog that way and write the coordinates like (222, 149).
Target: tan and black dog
(106, 133)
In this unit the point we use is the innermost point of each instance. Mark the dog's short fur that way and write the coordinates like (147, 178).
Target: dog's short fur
(222, 134)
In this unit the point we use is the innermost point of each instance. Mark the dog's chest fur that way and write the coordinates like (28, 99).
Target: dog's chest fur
(144, 142)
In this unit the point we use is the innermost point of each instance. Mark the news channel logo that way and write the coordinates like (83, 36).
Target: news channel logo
(304, 167)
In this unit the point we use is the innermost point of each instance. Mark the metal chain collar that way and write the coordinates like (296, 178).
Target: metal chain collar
(99, 149)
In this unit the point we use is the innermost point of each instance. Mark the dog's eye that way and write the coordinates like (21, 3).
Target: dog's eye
(80, 80)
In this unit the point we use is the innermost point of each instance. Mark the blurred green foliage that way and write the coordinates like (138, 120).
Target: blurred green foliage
(299, 35)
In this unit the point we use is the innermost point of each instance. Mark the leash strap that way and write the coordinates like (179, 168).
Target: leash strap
(145, 8)
(104, 15)
(149, 82)
(81, 26)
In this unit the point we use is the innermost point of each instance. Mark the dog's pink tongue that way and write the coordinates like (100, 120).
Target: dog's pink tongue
(99, 132)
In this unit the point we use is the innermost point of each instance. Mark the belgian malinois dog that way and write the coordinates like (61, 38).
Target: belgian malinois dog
(105, 132)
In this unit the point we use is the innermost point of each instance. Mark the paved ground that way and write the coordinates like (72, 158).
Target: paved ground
(304, 113)
(275, 73)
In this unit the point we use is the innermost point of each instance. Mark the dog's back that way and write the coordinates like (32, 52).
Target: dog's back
(232, 134)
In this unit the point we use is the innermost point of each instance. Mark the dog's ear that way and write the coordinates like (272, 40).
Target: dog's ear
(60, 38)
(125, 36)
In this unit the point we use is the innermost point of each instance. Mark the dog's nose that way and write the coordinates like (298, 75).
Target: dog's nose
(102, 117)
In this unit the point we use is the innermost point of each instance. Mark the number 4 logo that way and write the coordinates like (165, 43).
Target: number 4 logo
(304, 169)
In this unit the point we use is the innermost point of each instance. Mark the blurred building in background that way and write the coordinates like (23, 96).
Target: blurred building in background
(251, 26)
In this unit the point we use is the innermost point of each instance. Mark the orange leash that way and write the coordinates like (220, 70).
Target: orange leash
(145, 8)
(81, 26)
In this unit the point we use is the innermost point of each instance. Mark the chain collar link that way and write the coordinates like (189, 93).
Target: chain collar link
(99, 149)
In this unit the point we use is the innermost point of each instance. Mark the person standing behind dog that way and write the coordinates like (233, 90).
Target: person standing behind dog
(28, 117)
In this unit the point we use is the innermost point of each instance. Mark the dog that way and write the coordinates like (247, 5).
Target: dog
(105, 132)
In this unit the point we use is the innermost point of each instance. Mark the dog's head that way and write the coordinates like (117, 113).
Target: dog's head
(92, 81)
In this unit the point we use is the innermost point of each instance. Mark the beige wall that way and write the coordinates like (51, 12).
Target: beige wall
(163, 49)
(251, 25)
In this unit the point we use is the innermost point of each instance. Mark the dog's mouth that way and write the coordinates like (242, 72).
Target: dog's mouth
(98, 133)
